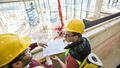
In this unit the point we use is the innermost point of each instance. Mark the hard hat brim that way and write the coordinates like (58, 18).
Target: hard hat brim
(25, 43)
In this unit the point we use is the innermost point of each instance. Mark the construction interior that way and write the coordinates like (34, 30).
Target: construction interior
(42, 19)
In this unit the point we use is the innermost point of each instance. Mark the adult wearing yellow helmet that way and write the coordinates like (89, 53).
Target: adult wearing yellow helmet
(11, 46)
(79, 48)
(75, 26)
(14, 52)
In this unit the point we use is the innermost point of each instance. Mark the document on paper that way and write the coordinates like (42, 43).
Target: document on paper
(54, 47)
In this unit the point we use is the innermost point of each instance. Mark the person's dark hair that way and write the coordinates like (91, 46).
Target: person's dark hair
(78, 34)
(13, 61)
(10, 65)
(20, 58)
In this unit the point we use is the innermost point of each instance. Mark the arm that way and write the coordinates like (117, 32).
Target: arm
(61, 63)
(49, 62)
(34, 45)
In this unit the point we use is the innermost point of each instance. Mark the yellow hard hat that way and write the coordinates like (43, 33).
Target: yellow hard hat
(75, 26)
(11, 46)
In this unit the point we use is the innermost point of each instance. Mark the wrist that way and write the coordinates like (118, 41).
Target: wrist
(59, 60)
(49, 61)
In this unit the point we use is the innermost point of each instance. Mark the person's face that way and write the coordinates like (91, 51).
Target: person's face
(24, 58)
(18, 64)
(69, 36)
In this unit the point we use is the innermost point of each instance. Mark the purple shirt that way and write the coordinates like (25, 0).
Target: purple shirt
(35, 63)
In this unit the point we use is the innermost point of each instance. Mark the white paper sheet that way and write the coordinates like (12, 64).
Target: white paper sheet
(54, 47)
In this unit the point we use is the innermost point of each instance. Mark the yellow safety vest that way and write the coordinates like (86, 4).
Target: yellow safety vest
(92, 61)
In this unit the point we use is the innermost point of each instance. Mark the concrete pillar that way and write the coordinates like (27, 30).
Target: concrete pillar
(2, 26)
(98, 7)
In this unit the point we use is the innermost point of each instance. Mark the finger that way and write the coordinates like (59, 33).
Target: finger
(53, 58)
(45, 46)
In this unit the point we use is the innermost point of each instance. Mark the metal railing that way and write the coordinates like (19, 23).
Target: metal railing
(98, 21)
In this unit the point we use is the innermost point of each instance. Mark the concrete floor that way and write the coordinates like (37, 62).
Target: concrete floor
(112, 59)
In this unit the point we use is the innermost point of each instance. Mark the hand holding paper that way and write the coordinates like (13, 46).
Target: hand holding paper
(54, 47)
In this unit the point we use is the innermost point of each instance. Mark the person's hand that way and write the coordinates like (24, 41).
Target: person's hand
(44, 45)
(56, 58)
(61, 63)
(48, 61)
